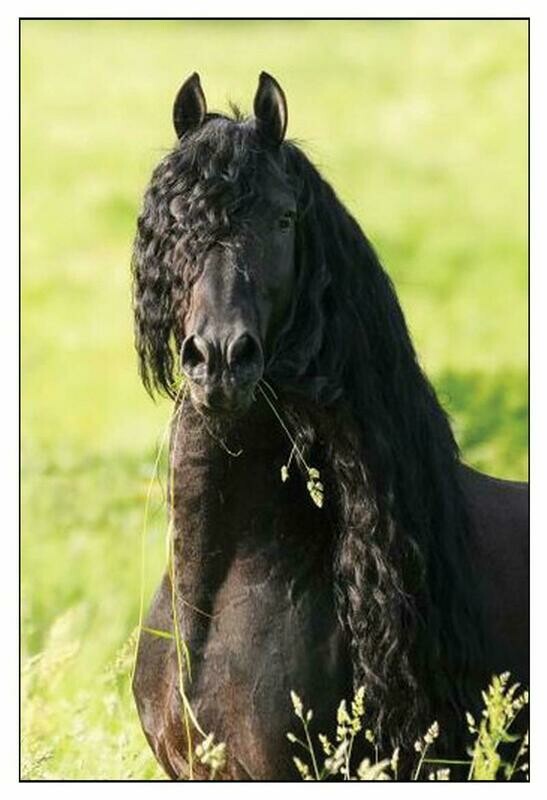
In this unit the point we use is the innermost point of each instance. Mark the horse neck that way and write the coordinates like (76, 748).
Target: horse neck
(228, 503)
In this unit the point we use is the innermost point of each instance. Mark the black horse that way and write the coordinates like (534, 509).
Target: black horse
(381, 559)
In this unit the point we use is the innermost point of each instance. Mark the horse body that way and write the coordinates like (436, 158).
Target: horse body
(254, 600)
(407, 573)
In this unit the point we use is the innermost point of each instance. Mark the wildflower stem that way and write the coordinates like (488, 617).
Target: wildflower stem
(472, 765)
(311, 750)
(420, 762)
(180, 644)
(144, 531)
(348, 757)
(286, 430)
(521, 752)
(296, 740)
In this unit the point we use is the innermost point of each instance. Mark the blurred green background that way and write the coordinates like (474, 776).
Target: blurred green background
(421, 127)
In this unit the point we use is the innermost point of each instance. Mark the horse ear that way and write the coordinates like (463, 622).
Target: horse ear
(270, 108)
(190, 107)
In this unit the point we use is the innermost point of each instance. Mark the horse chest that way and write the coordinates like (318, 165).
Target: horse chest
(274, 629)
(254, 590)
(272, 624)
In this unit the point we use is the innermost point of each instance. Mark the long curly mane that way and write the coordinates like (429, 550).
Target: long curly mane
(402, 568)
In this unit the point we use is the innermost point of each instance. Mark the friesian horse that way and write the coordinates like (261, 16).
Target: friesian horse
(380, 559)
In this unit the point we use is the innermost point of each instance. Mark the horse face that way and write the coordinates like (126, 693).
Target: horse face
(239, 304)
(242, 294)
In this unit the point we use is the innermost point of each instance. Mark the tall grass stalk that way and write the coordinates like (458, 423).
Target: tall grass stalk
(314, 486)
(144, 535)
(502, 704)
(182, 651)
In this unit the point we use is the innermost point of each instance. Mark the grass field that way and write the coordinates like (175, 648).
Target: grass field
(421, 127)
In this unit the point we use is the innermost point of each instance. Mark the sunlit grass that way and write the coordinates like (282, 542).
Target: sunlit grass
(495, 750)
(421, 127)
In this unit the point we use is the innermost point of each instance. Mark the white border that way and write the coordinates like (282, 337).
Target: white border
(9, 338)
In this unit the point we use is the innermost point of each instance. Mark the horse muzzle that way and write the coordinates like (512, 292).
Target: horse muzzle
(222, 374)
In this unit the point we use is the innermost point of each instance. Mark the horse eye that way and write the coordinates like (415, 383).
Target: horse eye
(286, 221)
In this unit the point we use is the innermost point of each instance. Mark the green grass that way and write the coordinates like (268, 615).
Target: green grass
(494, 751)
(421, 127)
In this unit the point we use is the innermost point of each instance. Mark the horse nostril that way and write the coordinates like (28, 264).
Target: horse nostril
(245, 352)
(194, 354)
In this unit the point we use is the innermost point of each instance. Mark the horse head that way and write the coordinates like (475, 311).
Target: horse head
(231, 213)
